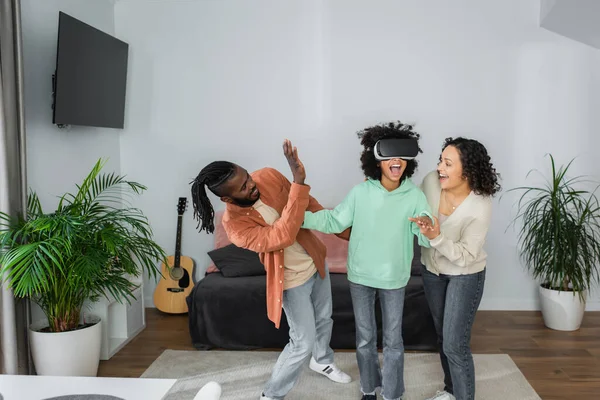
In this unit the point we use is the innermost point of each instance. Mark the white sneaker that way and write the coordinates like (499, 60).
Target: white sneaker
(442, 395)
(331, 371)
(210, 391)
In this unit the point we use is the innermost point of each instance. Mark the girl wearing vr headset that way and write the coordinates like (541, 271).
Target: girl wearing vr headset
(459, 192)
(380, 250)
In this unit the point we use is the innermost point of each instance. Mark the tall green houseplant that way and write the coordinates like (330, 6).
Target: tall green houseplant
(559, 242)
(87, 248)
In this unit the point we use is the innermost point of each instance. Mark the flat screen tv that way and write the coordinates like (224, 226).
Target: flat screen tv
(91, 76)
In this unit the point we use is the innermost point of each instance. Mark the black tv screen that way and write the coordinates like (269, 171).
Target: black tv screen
(91, 76)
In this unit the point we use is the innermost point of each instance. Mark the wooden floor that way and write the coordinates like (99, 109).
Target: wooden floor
(559, 365)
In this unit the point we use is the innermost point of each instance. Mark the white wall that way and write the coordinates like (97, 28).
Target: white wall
(231, 80)
(207, 80)
(57, 159)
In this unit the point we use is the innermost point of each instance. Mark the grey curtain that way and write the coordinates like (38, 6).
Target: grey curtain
(14, 313)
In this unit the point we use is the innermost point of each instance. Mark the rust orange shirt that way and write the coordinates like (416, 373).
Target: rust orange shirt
(246, 228)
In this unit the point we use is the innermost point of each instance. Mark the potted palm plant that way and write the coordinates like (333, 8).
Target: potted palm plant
(559, 243)
(89, 246)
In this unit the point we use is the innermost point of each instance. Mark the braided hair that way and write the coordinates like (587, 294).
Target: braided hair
(214, 175)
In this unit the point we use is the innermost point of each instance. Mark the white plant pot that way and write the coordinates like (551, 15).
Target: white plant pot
(74, 353)
(562, 311)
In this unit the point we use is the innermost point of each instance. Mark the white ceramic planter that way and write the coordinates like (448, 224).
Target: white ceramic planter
(75, 353)
(562, 311)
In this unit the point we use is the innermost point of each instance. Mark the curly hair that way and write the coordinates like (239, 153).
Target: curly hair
(371, 135)
(476, 164)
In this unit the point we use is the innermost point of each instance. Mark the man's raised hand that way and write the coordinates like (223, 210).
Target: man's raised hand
(291, 154)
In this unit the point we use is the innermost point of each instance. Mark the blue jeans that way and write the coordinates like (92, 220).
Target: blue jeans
(392, 306)
(453, 301)
(308, 309)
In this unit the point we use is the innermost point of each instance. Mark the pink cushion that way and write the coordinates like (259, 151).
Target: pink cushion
(211, 269)
(337, 249)
(337, 252)
(221, 239)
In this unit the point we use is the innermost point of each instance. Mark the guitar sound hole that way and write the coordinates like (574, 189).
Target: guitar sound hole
(176, 273)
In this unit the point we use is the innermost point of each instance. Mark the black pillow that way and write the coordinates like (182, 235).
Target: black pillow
(235, 261)
(416, 266)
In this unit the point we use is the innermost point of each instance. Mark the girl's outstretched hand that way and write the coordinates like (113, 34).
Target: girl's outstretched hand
(429, 229)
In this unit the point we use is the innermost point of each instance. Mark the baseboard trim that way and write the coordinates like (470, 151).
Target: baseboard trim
(509, 305)
(524, 305)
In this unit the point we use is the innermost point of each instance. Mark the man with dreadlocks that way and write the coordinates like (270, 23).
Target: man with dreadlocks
(264, 213)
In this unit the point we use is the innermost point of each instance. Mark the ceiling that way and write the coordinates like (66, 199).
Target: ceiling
(576, 19)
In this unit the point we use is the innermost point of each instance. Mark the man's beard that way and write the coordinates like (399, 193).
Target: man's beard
(245, 202)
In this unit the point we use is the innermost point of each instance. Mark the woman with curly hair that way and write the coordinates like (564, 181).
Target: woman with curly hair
(459, 192)
(380, 252)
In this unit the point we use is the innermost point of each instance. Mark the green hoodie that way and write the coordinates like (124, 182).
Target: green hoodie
(380, 251)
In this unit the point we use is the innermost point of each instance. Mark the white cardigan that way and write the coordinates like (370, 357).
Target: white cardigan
(458, 250)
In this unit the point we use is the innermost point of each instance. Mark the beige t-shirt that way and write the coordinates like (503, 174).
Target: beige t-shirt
(298, 265)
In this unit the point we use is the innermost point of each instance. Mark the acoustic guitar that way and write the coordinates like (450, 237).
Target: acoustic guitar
(176, 282)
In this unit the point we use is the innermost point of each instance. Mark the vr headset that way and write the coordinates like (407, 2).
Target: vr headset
(386, 149)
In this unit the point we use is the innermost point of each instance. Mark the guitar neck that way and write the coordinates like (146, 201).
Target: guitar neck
(178, 242)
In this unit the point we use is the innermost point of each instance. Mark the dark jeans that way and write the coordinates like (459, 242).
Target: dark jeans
(453, 301)
(392, 306)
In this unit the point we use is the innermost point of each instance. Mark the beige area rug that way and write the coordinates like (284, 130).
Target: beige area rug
(242, 375)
